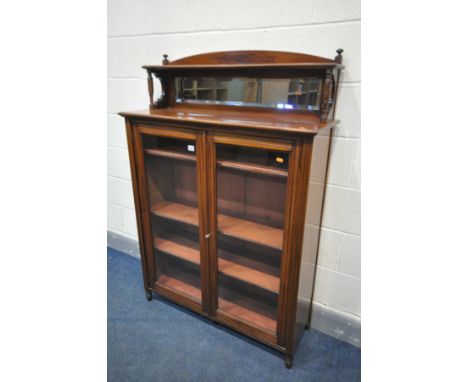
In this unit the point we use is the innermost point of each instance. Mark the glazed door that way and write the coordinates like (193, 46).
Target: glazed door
(250, 179)
(171, 161)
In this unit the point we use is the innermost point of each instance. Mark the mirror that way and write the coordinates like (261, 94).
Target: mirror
(288, 93)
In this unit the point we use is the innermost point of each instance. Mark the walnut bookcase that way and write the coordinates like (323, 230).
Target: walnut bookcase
(221, 165)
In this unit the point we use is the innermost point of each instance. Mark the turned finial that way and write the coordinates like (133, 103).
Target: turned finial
(165, 61)
(339, 58)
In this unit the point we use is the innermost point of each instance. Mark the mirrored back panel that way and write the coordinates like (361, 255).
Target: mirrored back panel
(287, 93)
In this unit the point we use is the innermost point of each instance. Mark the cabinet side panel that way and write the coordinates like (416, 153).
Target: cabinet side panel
(136, 195)
(315, 198)
(297, 217)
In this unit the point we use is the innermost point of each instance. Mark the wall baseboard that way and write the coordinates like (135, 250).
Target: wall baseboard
(123, 243)
(325, 319)
(335, 323)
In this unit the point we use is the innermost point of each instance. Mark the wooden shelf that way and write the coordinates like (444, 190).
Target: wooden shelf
(177, 212)
(178, 250)
(249, 275)
(250, 231)
(234, 227)
(180, 286)
(296, 122)
(171, 154)
(254, 168)
(248, 310)
(258, 318)
(227, 267)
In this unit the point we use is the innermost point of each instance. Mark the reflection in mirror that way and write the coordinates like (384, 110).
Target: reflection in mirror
(267, 92)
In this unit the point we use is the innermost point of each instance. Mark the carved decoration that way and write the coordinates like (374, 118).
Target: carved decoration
(150, 89)
(339, 57)
(162, 102)
(326, 99)
(204, 64)
(251, 57)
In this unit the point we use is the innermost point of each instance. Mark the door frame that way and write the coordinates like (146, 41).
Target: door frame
(147, 250)
(293, 147)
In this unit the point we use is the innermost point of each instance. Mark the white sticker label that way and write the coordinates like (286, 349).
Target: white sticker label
(191, 148)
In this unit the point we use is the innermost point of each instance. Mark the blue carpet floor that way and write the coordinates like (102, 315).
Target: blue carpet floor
(159, 341)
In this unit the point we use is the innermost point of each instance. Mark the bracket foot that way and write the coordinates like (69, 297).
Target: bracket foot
(149, 295)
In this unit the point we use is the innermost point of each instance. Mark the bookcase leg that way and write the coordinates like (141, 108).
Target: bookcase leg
(149, 295)
(288, 362)
(307, 326)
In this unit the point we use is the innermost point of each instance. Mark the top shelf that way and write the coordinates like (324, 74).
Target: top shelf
(302, 65)
(239, 59)
(301, 123)
(255, 64)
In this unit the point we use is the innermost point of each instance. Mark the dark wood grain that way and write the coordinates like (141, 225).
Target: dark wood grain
(255, 169)
(180, 286)
(227, 267)
(250, 231)
(244, 63)
(237, 257)
(150, 89)
(291, 123)
(249, 311)
(204, 229)
(320, 160)
(171, 154)
(326, 97)
(339, 57)
(247, 57)
(227, 225)
(147, 279)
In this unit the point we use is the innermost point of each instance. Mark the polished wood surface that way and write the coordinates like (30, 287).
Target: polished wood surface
(228, 225)
(228, 267)
(297, 123)
(319, 160)
(255, 169)
(253, 64)
(247, 57)
(179, 250)
(177, 212)
(241, 309)
(180, 286)
(264, 318)
(171, 154)
(250, 231)
(223, 235)
(283, 66)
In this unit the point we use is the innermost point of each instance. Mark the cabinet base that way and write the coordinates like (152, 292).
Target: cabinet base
(288, 362)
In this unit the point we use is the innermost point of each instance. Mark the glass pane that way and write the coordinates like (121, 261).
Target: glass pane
(172, 189)
(283, 93)
(251, 197)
